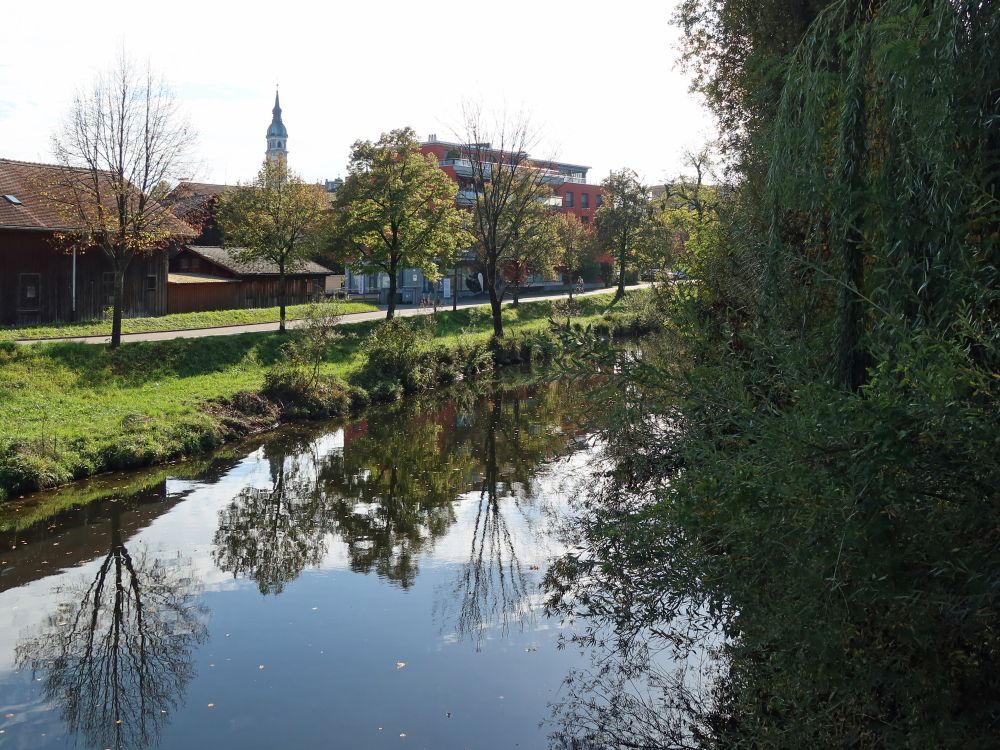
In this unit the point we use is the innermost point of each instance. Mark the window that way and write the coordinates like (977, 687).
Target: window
(151, 283)
(569, 199)
(584, 200)
(29, 291)
(12, 199)
(584, 219)
(599, 200)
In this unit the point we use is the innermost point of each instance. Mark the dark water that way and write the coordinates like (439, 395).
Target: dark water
(335, 587)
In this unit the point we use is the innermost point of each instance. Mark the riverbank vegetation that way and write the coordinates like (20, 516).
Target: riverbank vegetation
(796, 541)
(72, 410)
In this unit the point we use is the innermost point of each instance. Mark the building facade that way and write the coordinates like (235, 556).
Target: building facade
(571, 194)
(47, 277)
(215, 278)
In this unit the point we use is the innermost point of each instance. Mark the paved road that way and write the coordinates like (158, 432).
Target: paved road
(197, 333)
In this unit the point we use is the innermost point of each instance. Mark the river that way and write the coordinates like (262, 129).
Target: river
(374, 584)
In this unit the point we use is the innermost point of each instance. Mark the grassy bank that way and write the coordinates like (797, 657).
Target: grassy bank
(176, 322)
(69, 410)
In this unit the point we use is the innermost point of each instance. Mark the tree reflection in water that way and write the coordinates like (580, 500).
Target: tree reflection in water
(271, 535)
(116, 654)
(491, 588)
(394, 493)
(391, 493)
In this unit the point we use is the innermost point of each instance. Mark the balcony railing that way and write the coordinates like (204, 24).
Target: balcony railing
(464, 168)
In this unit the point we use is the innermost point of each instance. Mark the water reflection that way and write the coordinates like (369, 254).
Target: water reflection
(272, 534)
(492, 587)
(115, 656)
(442, 500)
(392, 494)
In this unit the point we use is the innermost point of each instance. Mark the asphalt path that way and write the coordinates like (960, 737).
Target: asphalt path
(401, 311)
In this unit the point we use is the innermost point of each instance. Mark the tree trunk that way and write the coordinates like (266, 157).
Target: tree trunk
(621, 272)
(116, 313)
(282, 291)
(454, 290)
(495, 305)
(390, 311)
(517, 289)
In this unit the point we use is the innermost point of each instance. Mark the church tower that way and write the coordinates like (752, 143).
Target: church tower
(277, 135)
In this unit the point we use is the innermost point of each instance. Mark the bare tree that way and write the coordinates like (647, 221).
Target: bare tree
(122, 142)
(116, 654)
(508, 186)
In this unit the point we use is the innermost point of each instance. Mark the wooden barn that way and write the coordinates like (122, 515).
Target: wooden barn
(216, 278)
(45, 278)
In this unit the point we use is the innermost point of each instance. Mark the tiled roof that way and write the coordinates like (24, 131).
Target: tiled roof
(44, 198)
(231, 258)
(191, 197)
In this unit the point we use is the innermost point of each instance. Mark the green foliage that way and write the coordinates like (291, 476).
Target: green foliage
(397, 210)
(623, 220)
(277, 218)
(803, 486)
(68, 411)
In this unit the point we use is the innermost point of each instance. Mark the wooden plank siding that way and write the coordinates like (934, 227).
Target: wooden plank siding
(234, 290)
(189, 297)
(36, 281)
(247, 293)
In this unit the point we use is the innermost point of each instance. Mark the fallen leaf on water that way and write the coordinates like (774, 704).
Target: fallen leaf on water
(400, 664)
(211, 705)
(402, 734)
(260, 667)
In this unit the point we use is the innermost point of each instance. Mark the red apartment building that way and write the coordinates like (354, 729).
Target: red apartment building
(571, 194)
(569, 181)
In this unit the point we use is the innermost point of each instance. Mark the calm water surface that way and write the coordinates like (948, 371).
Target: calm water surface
(374, 584)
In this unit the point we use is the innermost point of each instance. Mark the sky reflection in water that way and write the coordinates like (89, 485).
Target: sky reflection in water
(330, 587)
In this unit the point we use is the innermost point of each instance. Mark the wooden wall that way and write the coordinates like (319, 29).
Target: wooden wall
(36, 282)
(184, 298)
(251, 292)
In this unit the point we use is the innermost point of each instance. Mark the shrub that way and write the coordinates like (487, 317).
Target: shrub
(298, 395)
(394, 353)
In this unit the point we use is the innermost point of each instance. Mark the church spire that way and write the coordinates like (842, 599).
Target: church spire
(277, 134)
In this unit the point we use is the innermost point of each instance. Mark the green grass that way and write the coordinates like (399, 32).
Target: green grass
(176, 322)
(69, 410)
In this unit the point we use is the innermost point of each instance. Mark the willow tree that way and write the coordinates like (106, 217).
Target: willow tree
(122, 142)
(835, 478)
(396, 210)
(276, 219)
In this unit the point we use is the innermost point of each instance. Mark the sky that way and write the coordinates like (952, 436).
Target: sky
(598, 81)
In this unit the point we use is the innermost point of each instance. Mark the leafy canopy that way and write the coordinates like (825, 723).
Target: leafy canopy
(397, 208)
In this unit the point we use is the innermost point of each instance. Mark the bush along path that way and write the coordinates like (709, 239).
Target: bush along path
(69, 411)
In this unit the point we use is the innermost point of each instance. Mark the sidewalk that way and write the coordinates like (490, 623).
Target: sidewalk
(401, 311)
